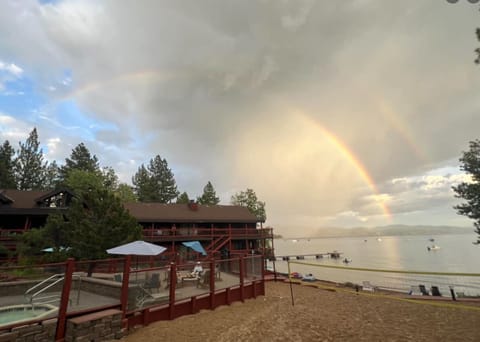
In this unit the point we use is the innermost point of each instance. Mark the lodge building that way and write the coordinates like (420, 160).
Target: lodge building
(222, 230)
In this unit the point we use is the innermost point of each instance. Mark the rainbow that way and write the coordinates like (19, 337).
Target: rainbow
(401, 128)
(341, 147)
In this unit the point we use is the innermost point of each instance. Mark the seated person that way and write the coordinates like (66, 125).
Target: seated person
(197, 270)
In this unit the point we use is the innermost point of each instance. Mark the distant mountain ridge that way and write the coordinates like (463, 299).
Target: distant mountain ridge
(391, 230)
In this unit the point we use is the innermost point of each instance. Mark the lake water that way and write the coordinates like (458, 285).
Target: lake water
(456, 254)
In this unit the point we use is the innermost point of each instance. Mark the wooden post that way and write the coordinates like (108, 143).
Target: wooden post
(173, 284)
(242, 274)
(126, 279)
(212, 283)
(62, 310)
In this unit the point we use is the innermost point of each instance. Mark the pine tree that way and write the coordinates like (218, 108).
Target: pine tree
(209, 196)
(143, 185)
(470, 191)
(29, 165)
(163, 181)
(7, 169)
(249, 199)
(183, 198)
(52, 176)
(80, 159)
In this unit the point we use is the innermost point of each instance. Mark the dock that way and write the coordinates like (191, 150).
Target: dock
(332, 255)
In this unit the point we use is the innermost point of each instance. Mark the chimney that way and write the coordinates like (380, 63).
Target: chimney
(192, 205)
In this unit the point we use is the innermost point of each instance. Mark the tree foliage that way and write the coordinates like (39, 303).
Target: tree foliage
(183, 198)
(94, 222)
(470, 191)
(155, 183)
(7, 174)
(52, 176)
(80, 159)
(143, 185)
(249, 199)
(29, 164)
(209, 196)
(125, 193)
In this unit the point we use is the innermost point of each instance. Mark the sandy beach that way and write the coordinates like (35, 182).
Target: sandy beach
(318, 315)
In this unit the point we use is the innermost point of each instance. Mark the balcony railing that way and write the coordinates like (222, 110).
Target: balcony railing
(169, 234)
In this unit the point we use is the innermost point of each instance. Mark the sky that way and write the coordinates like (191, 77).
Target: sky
(336, 113)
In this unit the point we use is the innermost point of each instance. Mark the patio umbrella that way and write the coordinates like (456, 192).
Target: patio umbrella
(137, 248)
(196, 246)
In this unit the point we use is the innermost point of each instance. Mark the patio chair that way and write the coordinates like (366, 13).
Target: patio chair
(153, 282)
(367, 286)
(435, 291)
(204, 280)
(142, 296)
(423, 290)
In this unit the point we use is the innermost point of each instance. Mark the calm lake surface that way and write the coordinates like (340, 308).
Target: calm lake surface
(456, 254)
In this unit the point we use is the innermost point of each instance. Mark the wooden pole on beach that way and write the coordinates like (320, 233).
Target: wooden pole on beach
(290, 281)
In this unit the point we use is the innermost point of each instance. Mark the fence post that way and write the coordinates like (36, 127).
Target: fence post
(124, 295)
(242, 274)
(62, 310)
(212, 284)
(173, 285)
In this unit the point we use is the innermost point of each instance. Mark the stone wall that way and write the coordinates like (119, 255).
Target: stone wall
(43, 331)
(98, 326)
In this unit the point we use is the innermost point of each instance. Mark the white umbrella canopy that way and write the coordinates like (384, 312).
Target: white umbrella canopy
(137, 248)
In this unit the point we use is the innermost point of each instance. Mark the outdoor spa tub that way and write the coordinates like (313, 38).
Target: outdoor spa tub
(25, 312)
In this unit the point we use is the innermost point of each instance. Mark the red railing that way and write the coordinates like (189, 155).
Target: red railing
(169, 234)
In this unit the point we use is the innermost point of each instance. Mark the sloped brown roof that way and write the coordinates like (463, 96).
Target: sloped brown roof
(26, 201)
(159, 212)
(23, 199)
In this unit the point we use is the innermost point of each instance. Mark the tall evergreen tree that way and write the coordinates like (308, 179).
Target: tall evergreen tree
(29, 164)
(143, 185)
(470, 191)
(7, 169)
(209, 196)
(163, 180)
(52, 176)
(80, 159)
(183, 198)
(155, 183)
(249, 199)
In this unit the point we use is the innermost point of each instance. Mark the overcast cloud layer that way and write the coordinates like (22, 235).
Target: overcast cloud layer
(334, 112)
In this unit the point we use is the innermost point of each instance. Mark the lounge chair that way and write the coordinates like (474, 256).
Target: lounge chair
(423, 290)
(435, 291)
(153, 282)
(366, 286)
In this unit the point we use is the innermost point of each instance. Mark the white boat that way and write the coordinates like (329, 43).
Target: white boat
(379, 239)
(433, 248)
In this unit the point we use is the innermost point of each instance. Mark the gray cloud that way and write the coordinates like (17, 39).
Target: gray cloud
(216, 88)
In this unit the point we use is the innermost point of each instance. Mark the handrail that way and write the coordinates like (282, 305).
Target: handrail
(42, 282)
(62, 277)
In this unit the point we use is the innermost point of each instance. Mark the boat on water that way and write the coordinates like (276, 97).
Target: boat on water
(308, 277)
(379, 239)
(433, 248)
